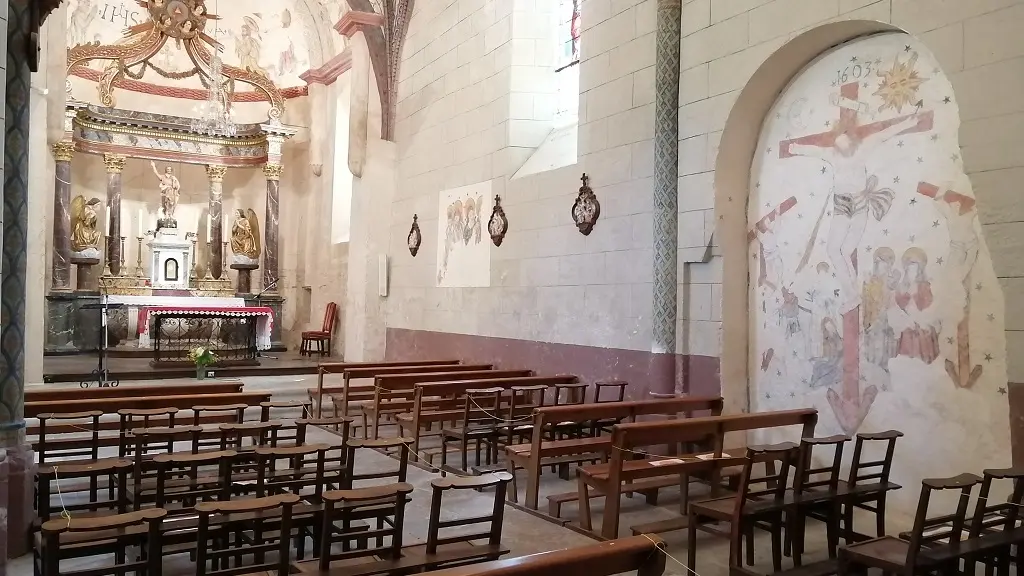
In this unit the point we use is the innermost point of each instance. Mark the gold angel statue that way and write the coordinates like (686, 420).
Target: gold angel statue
(245, 234)
(84, 216)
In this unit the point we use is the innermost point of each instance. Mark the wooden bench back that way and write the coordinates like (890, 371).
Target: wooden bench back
(626, 409)
(373, 372)
(638, 434)
(640, 554)
(338, 367)
(112, 405)
(459, 387)
(408, 381)
(217, 387)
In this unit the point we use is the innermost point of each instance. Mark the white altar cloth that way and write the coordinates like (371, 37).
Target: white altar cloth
(135, 302)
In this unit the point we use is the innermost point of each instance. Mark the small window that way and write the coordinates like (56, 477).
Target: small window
(567, 63)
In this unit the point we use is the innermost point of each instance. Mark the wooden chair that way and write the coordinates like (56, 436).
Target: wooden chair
(231, 413)
(758, 504)
(617, 394)
(480, 420)
(401, 445)
(522, 401)
(183, 480)
(65, 476)
(240, 528)
(130, 420)
(816, 494)
(322, 336)
(76, 436)
(911, 557)
(869, 482)
(67, 538)
(345, 512)
(442, 551)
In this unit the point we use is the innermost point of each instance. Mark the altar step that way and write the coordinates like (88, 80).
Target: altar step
(80, 367)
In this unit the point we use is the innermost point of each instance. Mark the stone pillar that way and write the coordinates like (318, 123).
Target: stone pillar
(13, 275)
(666, 196)
(270, 243)
(63, 151)
(216, 176)
(115, 166)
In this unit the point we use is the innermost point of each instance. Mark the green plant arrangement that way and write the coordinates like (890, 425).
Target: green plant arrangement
(203, 357)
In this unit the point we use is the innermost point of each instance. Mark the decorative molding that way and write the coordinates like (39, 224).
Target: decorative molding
(330, 71)
(216, 172)
(273, 171)
(356, 20)
(497, 226)
(63, 151)
(415, 238)
(586, 210)
(184, 93)
(114, 162)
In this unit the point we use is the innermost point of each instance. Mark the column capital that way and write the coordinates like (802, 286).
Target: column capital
(216, 172)
(114, 162)
(273, 171)
(63, 151)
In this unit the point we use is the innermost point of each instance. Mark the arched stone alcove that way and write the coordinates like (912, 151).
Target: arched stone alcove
(842, 199)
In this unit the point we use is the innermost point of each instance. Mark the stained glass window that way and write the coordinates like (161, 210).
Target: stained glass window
(568, 32)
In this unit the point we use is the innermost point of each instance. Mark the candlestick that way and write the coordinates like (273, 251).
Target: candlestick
(138, 259)
(209, 258)
(123, 238)
(194, 274)
(224, 261)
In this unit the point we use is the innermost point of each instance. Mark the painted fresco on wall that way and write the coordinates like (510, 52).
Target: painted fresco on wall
(463, 244)
(872, 293)
(271, 40)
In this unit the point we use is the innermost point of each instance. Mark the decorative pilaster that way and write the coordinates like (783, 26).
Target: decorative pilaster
(63, 152)
(115, 166)
(270, 244)
(666, 190)
(216, 177)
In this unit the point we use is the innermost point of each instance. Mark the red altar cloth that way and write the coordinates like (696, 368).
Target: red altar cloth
(263, 315)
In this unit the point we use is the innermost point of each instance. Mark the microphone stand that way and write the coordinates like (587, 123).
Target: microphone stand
(259, 302)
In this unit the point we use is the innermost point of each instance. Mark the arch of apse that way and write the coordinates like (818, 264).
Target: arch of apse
(732, 184)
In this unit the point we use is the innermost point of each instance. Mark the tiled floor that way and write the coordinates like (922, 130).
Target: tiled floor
(524, 533)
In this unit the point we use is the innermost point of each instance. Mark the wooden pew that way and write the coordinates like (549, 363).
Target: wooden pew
(623, 471)
(351, 393)
(640, 554)
(392, 393)
(338, 367)
(112, 405)
(49, 393)
(424, 413)
(540, 452)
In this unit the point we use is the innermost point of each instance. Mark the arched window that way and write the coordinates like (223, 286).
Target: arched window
(567, 67)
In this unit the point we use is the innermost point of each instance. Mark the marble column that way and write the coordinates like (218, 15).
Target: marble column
(61, 265)
(115, 166)
(270, 243)
(13, 274)
(216, 176)
(666, 196)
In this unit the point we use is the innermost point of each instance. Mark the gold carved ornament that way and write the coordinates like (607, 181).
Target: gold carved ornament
(245, 234)
(273, 171)
(114, 163)
(182, 20)
(63, 151)
(216, 173)
(84, 217)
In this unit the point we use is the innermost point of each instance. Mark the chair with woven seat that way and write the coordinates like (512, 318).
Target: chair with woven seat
(73, 538)
(759, 503)
(919, 554)
(323, 337)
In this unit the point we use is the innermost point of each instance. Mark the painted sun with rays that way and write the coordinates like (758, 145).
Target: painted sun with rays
(899, 84)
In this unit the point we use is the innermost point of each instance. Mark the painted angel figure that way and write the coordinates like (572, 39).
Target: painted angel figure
(245, 234)
(248, 47)
(79, 22)
(170, 188)
(84, 217)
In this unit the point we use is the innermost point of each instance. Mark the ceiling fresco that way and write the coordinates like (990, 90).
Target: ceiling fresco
(279, 39)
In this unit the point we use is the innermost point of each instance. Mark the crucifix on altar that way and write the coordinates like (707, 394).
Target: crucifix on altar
(856, 198)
